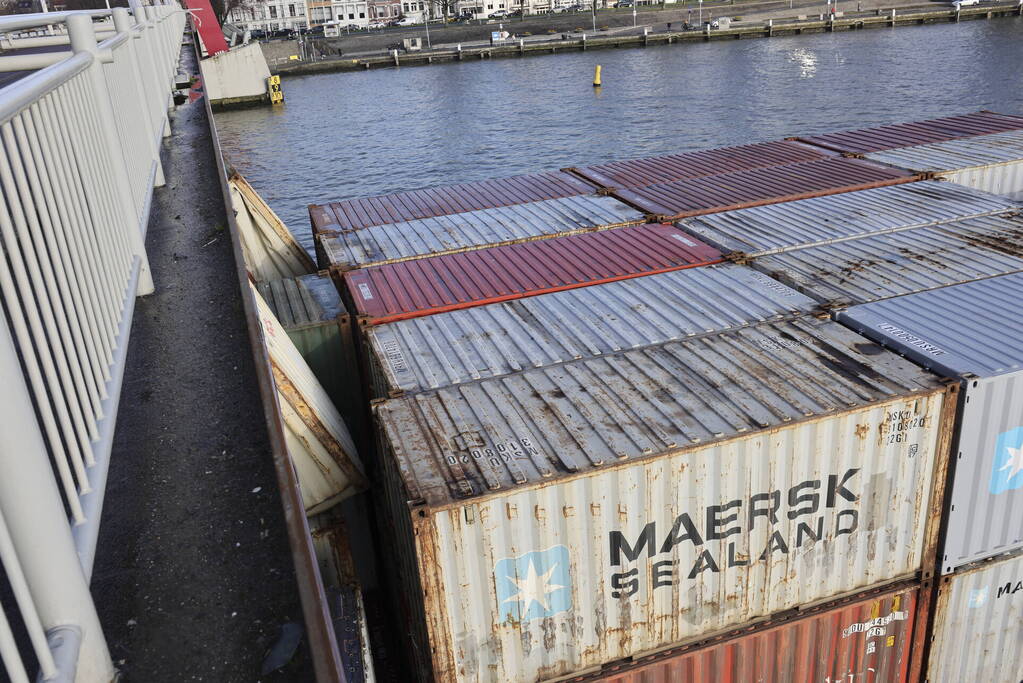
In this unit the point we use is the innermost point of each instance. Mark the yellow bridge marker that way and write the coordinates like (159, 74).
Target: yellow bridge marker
(596, 77)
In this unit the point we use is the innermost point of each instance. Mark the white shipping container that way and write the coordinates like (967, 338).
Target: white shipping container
(773, 228)
(973, 332)
(891, 264)
(993, 163)
(448, 234)
(502, 338)
(978, 625)
(565, 517)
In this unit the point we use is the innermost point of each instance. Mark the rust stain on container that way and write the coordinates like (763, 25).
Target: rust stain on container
(864, 639)
(411, 289)
(704, 162)
(352, 214)
(916, 133)
(755, 187)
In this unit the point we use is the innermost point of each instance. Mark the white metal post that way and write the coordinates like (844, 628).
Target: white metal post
(39, 530)
(83, 39)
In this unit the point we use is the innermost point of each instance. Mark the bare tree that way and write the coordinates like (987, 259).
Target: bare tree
(222, 8)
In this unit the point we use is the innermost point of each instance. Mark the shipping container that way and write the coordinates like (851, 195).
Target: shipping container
(410, 289)
(499, 339)
(770, 185)
(561, 518)
(978, 626)
(823, 220)
(352, 214)
(865, 639)
(310, 310)
(974, 332)
(395, 242)
(891, 264)
(915, 133)
(993, 163)
(704, 162)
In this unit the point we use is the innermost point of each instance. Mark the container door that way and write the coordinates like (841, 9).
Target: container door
(986, 516)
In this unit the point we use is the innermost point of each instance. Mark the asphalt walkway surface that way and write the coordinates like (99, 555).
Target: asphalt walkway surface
(193, 577)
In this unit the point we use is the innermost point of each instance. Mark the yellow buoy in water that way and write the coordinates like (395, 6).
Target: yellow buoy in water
(596, 77)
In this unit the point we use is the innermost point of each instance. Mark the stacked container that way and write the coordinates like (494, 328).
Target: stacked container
(606, 453)
(865, 246)
(973, 333)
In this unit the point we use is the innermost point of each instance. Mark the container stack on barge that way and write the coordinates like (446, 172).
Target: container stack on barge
(736, 414)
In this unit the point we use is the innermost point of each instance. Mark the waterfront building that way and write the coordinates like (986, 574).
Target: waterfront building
(270, 15)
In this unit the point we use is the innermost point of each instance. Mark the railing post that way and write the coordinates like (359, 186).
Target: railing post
(34, 513)
(122, 22)
(83, 39)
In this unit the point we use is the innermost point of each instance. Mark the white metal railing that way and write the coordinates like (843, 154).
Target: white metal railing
(79, 157)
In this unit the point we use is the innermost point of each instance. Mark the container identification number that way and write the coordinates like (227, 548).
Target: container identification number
(506, 451)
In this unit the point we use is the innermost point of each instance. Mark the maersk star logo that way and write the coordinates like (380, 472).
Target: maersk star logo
(1007, 472)
(534, 585)
(978, 596)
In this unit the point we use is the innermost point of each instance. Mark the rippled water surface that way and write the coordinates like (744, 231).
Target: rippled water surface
(367, 133)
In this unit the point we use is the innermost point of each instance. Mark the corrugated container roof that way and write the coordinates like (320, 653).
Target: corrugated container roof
(702, 162)
(462, 346)
(351, 214)
(770, 185)
(892, 264)
(971, 328)
(822, 220)
(443, 283)
(591, 414)
(475, 229)
(303, 301)
(830, 645)
(915, 133)
(982, 150)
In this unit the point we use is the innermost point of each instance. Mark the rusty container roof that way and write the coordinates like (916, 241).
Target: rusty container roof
(704, 162)
(770, 185)
(880, 138)
(869, 639)
(352, 214)
(424, 237)
(892, 264)
(585, 415)
(411, 289)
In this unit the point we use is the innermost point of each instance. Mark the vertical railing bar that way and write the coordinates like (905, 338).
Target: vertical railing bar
(36, 381)
(109, 224)
(92, 205)
(71, 228)
(42, 231)
(9, 654)
(23, 262)
(22, 595)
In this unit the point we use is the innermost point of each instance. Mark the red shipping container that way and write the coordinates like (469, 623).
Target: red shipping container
(411, 289)
(704, 162)
(770, 185)
(352, 214)
(915, 133)
(870, 640)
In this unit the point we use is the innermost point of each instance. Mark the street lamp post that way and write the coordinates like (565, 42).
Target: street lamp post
(633, 15)
(700, 18)
(429, 45)
(593, 12)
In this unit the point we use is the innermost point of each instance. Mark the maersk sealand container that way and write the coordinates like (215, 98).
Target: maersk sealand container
(557, 519)
(973, 332)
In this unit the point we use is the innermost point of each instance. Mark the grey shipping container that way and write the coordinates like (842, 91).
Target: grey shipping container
(891, 264)
(978, 625)
(993, 163)
(393, 242)
(559, 518)
(974, 332)
(310, 310)
(764, 230)
(502, 338)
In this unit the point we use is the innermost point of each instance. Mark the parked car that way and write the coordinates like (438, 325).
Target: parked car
(499, 14)
(625, 3)
(379, 23)
(574, 8)
(515, 13)
(257, 34)
(964, 3)
(407, 21)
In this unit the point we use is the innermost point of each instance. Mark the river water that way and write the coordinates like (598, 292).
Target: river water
(367, 133)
